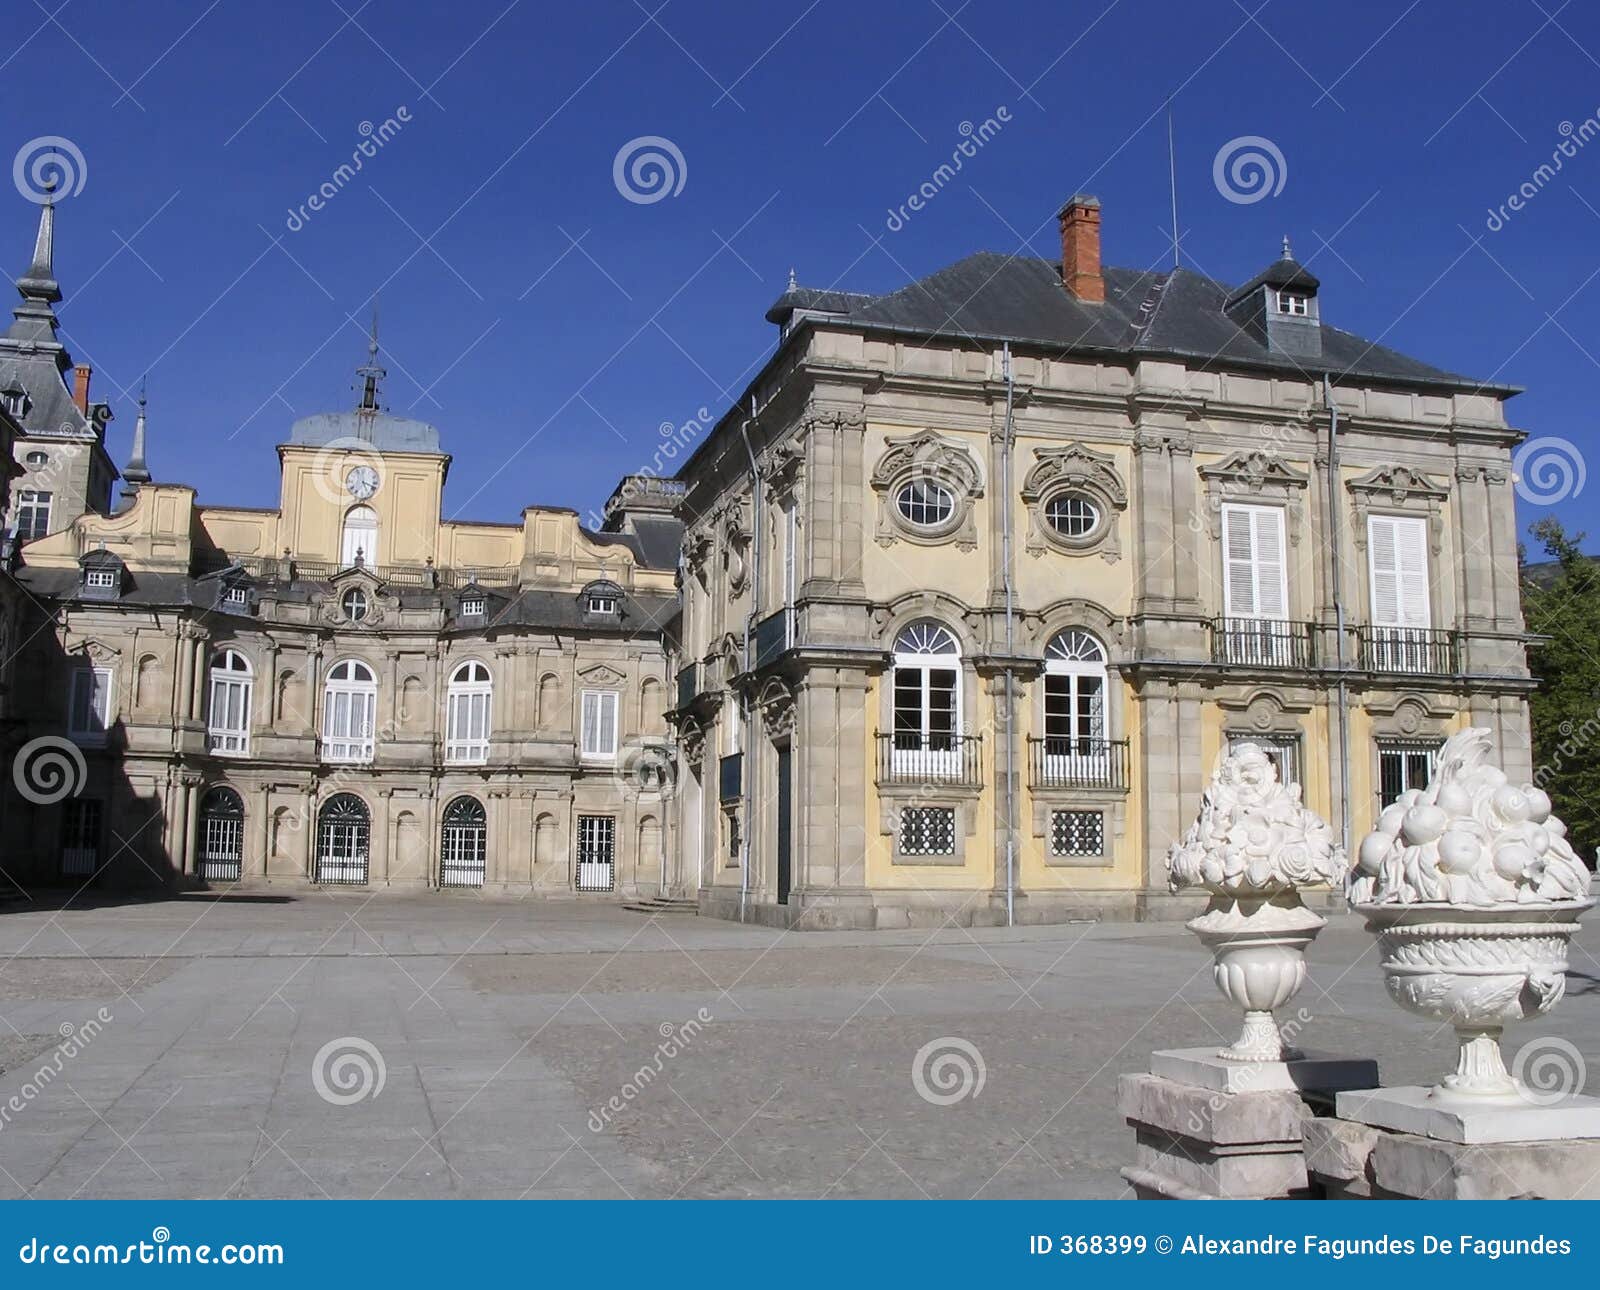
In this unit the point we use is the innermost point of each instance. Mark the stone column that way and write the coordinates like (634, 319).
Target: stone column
(187, 858)
(833, 768)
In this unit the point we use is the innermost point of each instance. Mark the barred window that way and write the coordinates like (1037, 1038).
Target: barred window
(928, 831)
(1404, 764)
(597, 852)
(1077, 833)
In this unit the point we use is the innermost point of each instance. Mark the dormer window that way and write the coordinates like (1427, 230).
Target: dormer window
(601, 599)
(100, 580)
(472, 606)
(602, 604)
(14, 401)
(237, 597)
(1297, 304)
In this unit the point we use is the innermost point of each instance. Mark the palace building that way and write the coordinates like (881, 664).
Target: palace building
(946, 619)
(346, 689)
(981, 575)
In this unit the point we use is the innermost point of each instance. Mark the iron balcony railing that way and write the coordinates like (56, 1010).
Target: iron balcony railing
(1065, 762)
(1262, 642)
(1417, 651)
(914, 757)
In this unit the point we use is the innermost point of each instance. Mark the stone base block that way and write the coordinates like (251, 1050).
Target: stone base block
(1428, 1114)
(1312, 1073)
(1356, 1161)
(1193, 1142)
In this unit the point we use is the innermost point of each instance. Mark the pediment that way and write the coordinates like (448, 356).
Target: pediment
(1399, 483)
(1257, 469)
(601, 674)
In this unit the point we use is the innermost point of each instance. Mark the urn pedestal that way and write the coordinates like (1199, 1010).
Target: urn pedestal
(1258, 949)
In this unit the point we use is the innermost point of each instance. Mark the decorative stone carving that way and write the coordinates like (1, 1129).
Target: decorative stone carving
(1252, 846)
(777, 709)
(1473, 892)
(1398, 488)
(1254, 477)
(927, 456)
(1074, 469)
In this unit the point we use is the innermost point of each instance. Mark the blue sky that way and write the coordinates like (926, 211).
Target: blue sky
(548, 326)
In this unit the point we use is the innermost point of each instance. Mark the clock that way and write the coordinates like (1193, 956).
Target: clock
(361, 482)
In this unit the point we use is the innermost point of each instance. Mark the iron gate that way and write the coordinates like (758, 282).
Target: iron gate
(221, 836)
(597, 852)
(463, 847)
(344, 835)
(80, 838)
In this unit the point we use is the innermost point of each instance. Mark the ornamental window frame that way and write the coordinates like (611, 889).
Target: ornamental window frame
(940, 461)
(1074, 470)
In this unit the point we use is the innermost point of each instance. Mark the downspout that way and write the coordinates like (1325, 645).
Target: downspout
(1335, 530)
(1009, 709)
(748, 766)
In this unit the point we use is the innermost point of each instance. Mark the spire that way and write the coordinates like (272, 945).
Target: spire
(793, 285)
(1287, 253)
(137, 472)
(371, 372)
(39, 282)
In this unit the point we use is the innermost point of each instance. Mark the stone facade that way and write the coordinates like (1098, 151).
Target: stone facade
(1057, 485)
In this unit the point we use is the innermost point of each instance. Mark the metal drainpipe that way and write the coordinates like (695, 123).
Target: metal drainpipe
(1334, 529)
(748, 768)
(1010, 710)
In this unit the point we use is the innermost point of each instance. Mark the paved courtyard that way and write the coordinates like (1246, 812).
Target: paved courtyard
(355, 1046)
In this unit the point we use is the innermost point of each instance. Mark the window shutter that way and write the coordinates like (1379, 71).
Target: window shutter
(591, 722)
(608, 723)
(1398, 554)
(1254, 575)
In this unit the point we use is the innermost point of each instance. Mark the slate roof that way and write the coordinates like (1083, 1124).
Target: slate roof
(1178, 313)
(381, 429)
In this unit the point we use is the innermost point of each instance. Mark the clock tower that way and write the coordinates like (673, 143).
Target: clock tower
(362, 487)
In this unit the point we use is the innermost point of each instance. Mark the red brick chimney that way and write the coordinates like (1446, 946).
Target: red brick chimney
(80, 387)
(1080, 249)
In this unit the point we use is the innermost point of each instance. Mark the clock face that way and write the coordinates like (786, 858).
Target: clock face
(361, 482)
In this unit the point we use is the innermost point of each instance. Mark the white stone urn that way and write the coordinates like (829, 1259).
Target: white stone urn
(1473, 892)
(1252, 847)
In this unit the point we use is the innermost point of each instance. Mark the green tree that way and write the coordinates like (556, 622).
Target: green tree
(1562, 610)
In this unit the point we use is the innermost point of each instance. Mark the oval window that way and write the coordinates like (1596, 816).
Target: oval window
(925, 503)
(1072, 515)
(355, 604)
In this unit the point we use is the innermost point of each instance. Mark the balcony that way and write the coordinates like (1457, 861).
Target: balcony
(773, 636)
(688, 685)
(1056, 762)
(1262, 642)
(1413, 651)
(910, 757)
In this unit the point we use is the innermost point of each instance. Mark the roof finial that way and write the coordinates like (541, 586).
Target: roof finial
(1287, 253)
(792, 283)
(370, 372)
(39, 282)
(137, 472)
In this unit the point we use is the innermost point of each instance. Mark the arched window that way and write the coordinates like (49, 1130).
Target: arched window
(1074, 705)
(349, 712)
(221, 835)
(228, 716)
(360, 538)
(467, 715)
(927, 699)
(463, 847)
(344, 837)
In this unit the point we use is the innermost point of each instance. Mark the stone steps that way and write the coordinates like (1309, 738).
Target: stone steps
(663, 905)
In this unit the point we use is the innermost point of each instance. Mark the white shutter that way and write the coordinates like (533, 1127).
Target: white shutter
(1397, 551)
(1255, 583)
(591, 722)
(608, 724)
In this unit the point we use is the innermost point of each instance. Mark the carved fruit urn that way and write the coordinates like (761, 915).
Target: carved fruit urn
(1252, 847)
(1474, 893)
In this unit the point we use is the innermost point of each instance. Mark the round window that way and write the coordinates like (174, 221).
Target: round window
(1072, 515)
(37, 459)
(925, 503)
(355, 604)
